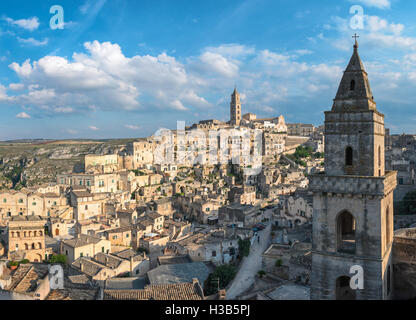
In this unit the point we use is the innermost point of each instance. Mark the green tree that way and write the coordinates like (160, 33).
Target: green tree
(244, 247)
(261, 273)
(58, 258)
(221, 277)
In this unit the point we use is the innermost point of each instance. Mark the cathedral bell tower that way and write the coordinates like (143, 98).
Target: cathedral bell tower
(353, 198)
(235, 108)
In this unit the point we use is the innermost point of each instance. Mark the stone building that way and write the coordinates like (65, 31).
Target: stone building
(353, 198)
(27, 238)
(25, 202)
(300, 129)
(142, 151)
(103, 163)
(84, 246)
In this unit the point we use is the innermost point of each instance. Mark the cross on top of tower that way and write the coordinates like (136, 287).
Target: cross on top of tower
(355, 36)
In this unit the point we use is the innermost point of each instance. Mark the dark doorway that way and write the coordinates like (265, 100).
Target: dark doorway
(343, 289)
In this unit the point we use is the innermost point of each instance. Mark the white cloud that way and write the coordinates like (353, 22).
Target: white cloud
(303, 52)
(28, 24)
(376, 24)
(3, 94)
(232, 50)
(33, 42)
(63, 110)
(16, 86)
(92, 6)
(131, 127)
(103, 78)
(106, 79)
(381, 4)
(70, 131)
(272, 58)
(216, 62)
(93, 128)
(23, 115)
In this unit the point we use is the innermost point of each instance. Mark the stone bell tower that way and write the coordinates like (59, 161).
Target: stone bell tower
(353, 198)
(235, 108)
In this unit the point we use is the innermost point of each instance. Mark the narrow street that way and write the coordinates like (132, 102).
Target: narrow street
(251, 265)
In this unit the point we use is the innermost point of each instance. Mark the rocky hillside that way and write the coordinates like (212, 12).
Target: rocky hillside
(34, 163)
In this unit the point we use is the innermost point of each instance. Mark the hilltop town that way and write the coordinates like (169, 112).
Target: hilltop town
(155, 218)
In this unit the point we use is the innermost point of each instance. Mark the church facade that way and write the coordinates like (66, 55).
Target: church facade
(353, 198)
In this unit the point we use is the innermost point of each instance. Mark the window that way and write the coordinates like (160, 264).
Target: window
(348, 156)
(214, 253)
(4, 200)
(346, 233)
(33, 203)
(20, 200)
(81, 254)
(102, 249)
(352, 85)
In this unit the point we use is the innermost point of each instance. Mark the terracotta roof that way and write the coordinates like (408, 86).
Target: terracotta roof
(57, 295)
(83, 240)
(180, 291)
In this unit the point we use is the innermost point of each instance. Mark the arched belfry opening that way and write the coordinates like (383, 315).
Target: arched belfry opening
(343, 289)
(346, 227)
(348, 156)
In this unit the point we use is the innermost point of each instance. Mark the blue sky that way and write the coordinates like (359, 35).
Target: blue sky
(125, 68)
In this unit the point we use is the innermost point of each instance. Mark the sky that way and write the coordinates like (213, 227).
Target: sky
(126, 68)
